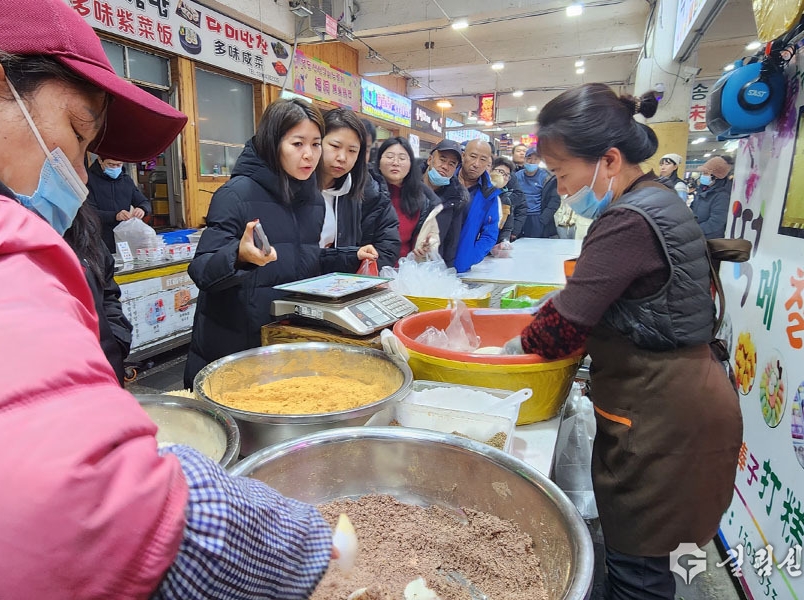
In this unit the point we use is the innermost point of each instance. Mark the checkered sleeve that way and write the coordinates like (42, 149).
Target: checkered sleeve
(243, 540)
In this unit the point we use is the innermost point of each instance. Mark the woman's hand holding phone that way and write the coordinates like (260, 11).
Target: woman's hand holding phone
(248, 252)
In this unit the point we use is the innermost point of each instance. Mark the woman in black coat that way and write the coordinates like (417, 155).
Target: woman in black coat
(271, 182)
(114, 328)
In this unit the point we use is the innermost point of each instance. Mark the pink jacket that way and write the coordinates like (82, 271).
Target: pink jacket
(88, 509)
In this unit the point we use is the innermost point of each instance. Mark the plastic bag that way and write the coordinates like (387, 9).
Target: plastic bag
(573, 463)
(432, 279)
(368, 267)
(137, 234)
(459, 335)
(429, 239)
(502, 250)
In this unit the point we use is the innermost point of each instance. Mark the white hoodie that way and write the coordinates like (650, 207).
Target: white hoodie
(329, 233)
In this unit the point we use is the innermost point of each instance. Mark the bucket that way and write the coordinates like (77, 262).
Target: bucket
(549, 380)
(425, 303)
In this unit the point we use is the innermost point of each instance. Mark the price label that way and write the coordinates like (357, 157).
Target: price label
(124, 251)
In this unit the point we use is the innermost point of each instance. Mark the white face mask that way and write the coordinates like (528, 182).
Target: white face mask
(60, 191)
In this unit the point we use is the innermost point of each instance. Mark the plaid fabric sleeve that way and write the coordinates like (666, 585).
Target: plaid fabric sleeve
(243, 540)
(551, 335)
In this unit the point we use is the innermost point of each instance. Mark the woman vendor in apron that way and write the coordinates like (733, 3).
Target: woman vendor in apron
(669, 426)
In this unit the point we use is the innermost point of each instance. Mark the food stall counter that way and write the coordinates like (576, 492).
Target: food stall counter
(537, 261)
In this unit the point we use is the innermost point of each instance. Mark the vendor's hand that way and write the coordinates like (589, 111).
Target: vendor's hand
(138, 213)
(367, 253)
(334, 555)
(513, 346)
(123, 215)
(249, 253)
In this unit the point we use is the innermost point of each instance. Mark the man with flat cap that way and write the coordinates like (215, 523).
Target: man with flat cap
(439, 176)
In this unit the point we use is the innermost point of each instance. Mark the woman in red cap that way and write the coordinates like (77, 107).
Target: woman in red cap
(90, 508)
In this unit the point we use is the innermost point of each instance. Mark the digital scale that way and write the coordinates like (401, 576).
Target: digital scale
(348, 302)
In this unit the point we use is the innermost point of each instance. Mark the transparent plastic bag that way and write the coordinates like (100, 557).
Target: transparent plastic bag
(138, 235)
(459, 336)
(573, 463)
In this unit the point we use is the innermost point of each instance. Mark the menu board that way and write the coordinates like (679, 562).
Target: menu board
(764, 526)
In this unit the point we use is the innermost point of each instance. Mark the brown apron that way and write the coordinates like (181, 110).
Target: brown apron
(669, 430)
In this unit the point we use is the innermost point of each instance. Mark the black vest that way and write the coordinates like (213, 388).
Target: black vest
(682, 313)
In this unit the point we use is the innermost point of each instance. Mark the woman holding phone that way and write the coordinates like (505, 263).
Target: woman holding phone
(272, 184)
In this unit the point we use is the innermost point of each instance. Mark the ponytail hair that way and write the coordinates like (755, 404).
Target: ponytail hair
(589, 120)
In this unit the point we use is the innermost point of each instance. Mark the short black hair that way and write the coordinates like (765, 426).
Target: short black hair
(371, 131)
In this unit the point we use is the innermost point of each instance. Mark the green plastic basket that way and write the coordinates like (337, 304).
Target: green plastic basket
(525, 296)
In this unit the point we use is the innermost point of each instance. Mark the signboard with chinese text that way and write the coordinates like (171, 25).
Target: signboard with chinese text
(465, 135)
(700, 92)
(331, 26)
(187, 28)
(426, 120)
(764, 526)
(485, 108)
(384, 104)
(317, 79)
(691, 15)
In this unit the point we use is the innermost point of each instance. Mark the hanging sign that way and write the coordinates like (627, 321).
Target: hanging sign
(700, 92)
(331, 26)
(426, 120)
(317, 79)
(187, 28)
(384, 104)
(465, 135)
(764, 526)
(485, 108)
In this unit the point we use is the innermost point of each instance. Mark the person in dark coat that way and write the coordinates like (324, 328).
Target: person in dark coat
(439, 175)
(551, 202)
(342, 173)
(114, 196)
(513, 201)
(272, 181)
(83, 236)
(711, 204)
(411, 200)
(379, 224)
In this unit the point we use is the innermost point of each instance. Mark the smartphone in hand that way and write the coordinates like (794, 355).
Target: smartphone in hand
(261, 240)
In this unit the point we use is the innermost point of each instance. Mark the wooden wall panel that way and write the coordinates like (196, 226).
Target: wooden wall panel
(336, 54)
(184, 75)
(398, 85)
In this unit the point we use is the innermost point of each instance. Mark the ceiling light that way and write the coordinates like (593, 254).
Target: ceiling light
(578, 64)
(460, 24)
(699, 140)
(518, 94)
(300, 9)
(498, 66)
(532, 108)
(755, 45)
(471, 118)
(729, 67)
(444, 104)
(580, 71)
(575, 10)
(707, 155)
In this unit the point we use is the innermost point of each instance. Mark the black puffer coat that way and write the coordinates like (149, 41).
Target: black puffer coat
(455, 199)
(379, 224)
(234, 300)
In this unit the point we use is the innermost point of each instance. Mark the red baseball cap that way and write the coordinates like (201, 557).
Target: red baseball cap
(139, 126)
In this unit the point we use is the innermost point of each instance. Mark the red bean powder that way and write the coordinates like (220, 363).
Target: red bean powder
(398, 543)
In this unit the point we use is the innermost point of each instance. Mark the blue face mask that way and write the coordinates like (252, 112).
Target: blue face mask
(113, 172)
(60, 192)
(585, 203)
(436, 178)
(531, 168)
(705, 180)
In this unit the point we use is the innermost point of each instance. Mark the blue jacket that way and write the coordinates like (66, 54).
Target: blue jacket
(532, 186)
(480, 226)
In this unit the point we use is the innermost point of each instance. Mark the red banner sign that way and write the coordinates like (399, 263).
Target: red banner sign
(485, 109)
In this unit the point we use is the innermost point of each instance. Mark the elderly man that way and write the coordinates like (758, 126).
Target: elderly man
(480, 226)
(439, 175)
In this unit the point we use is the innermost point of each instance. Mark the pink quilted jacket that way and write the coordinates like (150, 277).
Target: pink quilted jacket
(87, 507)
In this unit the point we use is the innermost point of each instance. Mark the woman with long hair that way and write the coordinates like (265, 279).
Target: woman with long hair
(411, 199)
(272, 182)
(342, 176)
(669, 427)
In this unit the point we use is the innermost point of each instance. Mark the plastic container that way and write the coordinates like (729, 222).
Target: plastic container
(476, 426)
(182, 236)
(424, 303)
(194, 238)
(525, 296)
(549, 380)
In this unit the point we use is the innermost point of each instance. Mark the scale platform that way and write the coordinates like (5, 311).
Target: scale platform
(349, 302)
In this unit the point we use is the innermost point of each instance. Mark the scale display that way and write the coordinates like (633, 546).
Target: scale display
(333, 285)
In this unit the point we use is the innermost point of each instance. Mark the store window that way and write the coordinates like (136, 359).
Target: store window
(138, 66)
(225, 120)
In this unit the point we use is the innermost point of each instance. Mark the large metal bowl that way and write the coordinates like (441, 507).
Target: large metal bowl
(195, 423)
(282, 361)
(429, 468)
